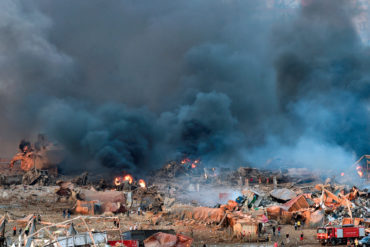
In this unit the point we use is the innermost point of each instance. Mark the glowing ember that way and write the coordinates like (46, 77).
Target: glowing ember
(117, 181)
(194, 164)
(186, 160)
(342, 174)
(128, 178)
(142, 183)
(359, 171)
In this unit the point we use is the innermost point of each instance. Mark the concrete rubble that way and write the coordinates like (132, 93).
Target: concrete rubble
(199, 204)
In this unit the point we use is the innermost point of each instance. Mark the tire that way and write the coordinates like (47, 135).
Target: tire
(333, 241)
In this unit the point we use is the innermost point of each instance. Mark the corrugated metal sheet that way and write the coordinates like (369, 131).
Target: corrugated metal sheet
(83, 239)
(296, 204)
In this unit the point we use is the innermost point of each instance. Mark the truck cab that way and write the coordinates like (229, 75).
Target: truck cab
(339, 234)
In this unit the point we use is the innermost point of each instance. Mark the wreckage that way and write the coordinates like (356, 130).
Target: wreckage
(92, 202)
(42, 155)
(35, 163)
(265, 199)
(244, 204)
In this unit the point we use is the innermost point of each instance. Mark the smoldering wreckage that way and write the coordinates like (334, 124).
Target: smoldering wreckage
(185, 203)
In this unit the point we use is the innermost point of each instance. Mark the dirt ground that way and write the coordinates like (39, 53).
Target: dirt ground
(202, 233)
(20, 201)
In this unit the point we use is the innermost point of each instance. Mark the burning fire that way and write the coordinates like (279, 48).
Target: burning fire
(128, 178)
(192, 164)
(117, 181)
(342, 174)
(142, 183)
(359, 171)
(186, 160)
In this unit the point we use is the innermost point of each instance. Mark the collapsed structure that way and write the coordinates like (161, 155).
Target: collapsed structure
(264, 199)
(42, 155)
(244, 204)
(35, 163)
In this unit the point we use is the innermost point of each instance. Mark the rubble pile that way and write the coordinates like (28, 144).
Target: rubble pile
(244, 203)
(169, 240)
(172, 170)
(283, 194)
(326, 204)
(177, 178)
(270, 204)
(90, 201)
(148, 199)
(41, 155)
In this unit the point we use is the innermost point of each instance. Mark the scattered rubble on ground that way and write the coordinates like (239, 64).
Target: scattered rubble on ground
(164, 239)
(200, 204)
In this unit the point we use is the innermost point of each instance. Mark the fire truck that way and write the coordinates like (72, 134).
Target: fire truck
(339, 234)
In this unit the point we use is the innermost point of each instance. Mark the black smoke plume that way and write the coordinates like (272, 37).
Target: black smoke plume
(24, 146)
(129, 85)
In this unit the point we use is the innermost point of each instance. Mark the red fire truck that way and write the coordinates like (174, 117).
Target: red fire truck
(339, 234)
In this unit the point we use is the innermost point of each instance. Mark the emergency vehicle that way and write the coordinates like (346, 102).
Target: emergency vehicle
(339, 234)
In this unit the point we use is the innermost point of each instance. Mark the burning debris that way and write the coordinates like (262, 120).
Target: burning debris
(35, 163)
(180, 168)
(363, 167)
(256, 201)
(42, 155)
(199, 98)
(128, 183)
(186, 192)
(142, 183)
(26, 156)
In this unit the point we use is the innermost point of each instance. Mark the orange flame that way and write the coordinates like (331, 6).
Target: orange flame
(186, 160)
(359, 171)
(117, 181)
(128, 178)
(142, 183)
(194, 165)
(342, 174)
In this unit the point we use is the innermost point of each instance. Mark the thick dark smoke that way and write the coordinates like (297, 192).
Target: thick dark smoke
(130, 85)
(24, 146)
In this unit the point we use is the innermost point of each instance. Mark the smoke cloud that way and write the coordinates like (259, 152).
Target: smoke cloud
(130, 85)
